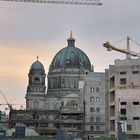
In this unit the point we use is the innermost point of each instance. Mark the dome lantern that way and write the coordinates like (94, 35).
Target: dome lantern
(71, 40)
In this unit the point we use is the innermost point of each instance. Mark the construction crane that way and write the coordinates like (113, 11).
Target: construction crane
(127, 51)
(72, 2)
(7, 103)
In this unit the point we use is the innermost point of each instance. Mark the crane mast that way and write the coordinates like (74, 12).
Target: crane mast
(127, 51)
(9, 105)
(72, 2)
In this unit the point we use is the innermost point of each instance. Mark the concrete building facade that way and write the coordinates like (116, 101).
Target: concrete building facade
(94, 92)
(124, 97)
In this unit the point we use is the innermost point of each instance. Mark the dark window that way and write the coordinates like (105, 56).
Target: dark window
(97, 128)
(75, 82)
(97, 119)
(62, 103)
(92, 128)
(123, 111)
(123, 103)
(122, 72)
(112, 82)
(37, 80)
(123, 118)
(91, 99)
(98, 109)
(97, 89)
(92, 119)
(123, 81)
(135, 103)
(129, 127)
(92, 109)
(135, 72)
(136, 118)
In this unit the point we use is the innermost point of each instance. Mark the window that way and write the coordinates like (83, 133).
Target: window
(97, 128)
(135, 103)
(98, 109)
(75, 82)
(123, 118)
(135, 72)
(112, 82)
(123, 111)
(123, 81)
(97, 99)
(91, 128)
(36, 104)
(97, 89)
(91, 99)
(92, 109)
(129, 127)
(136, 118)
(62, 103)
(122, 72)
(36, 80)
(92, 119)
(123, 103)
(97, 119)
(92, 89)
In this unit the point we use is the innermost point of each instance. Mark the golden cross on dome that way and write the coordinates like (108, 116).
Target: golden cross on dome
(37, 58)
(71, 36)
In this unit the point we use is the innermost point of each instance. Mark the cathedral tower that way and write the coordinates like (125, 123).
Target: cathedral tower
(36, 86)
(36, 78)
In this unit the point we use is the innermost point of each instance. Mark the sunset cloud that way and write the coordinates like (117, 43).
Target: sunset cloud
(28, 30)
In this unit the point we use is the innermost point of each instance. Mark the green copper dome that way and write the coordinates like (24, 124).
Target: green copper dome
(71, 57)
(37, 66)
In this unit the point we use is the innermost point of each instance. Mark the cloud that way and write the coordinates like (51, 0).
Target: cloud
(29, 29)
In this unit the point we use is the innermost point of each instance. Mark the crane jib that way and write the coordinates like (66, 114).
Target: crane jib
(74, 2)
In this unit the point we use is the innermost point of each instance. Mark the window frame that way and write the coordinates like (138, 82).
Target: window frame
(123, 81)
(92, 109)
(92, 99)
(97, 99)
(123, 111)
(92, 89)
(135, 72)
(122, 72)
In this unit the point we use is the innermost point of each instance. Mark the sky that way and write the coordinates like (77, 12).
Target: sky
(28, 30)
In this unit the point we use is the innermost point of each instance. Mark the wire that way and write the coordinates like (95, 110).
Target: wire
(135, 42)
(119, 41)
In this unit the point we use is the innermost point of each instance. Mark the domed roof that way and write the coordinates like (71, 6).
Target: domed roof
(37, 66)
(71, 57)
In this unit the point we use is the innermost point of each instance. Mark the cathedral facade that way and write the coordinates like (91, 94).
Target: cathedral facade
(79, 100)
(70, 84)
(66, 70)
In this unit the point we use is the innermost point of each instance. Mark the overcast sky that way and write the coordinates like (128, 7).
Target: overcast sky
(31, 29)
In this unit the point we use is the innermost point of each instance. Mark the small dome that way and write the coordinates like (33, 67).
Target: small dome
(37, 66)
(71, 57)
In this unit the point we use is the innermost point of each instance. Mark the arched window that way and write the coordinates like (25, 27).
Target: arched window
(37, 80)
(36, 105)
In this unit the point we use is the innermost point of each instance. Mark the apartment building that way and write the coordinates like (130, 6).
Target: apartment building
(124, 97)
